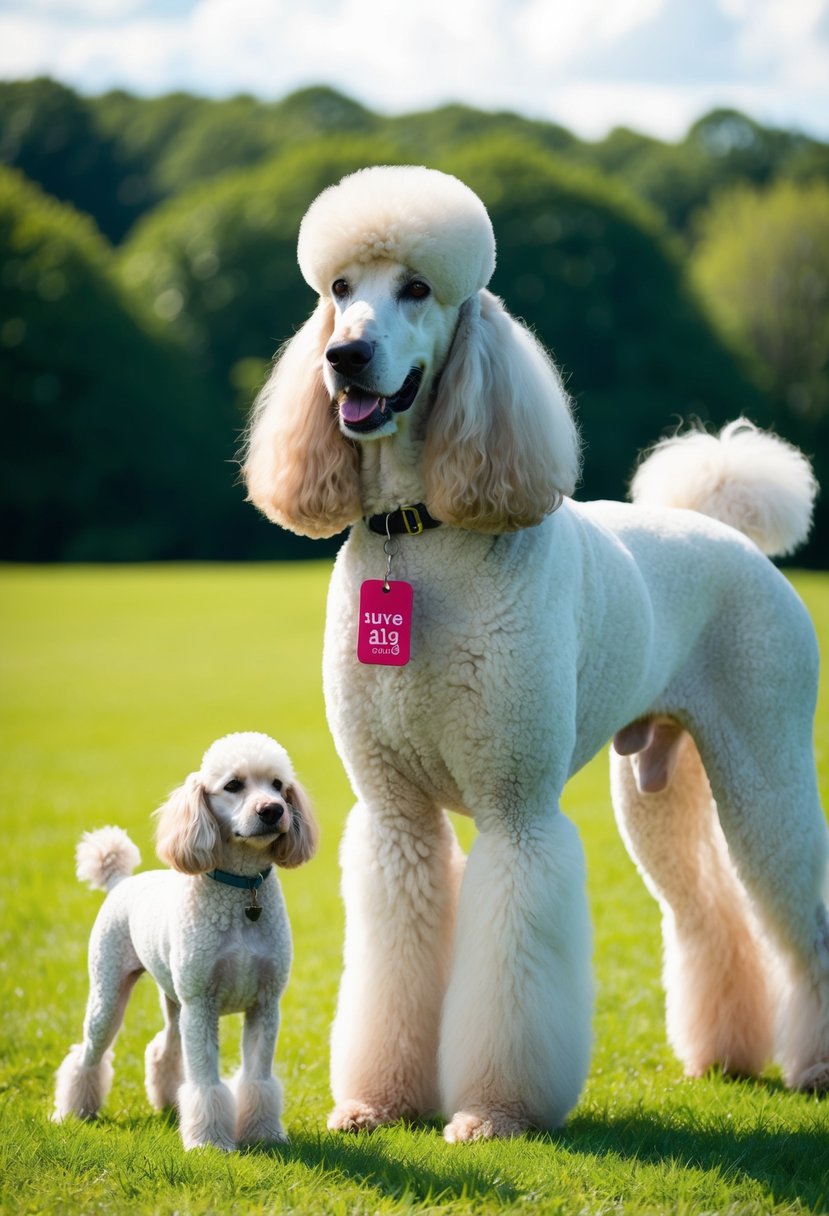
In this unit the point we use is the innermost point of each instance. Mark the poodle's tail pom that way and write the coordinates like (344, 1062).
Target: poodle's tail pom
(745, 477)
(104, 857)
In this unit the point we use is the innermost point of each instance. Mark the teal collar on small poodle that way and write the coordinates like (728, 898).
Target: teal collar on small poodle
(254, 911)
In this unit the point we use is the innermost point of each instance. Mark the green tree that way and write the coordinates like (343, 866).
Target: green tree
(117, 155)
(761, 263)
(720, 149)
(178, 140)
(114, 448)
(49, 133)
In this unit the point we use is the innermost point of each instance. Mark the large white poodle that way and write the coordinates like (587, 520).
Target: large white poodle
(215, 940)
(414, 408)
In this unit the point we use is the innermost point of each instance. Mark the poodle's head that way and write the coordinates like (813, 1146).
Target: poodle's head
(397, 249)
(407, 346)
(244, 808)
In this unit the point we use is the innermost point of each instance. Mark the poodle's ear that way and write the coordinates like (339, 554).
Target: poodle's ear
(300, 470)
(299, 843)
(501, 445)
(187, 836)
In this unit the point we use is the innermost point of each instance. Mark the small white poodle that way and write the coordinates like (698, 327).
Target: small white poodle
(486, 636)
(214, 935)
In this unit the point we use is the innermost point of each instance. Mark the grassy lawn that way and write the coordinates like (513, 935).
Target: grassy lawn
(113, 683)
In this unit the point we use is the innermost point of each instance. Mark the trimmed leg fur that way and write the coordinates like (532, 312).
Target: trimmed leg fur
(163, 1070)
(258, 1112)
(400, 880)
(717, 997)
(207, 1116)
(803, 1031)
(515, 1044)
(81, 1089)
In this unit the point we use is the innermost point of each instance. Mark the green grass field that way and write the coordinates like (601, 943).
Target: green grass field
(113, 683)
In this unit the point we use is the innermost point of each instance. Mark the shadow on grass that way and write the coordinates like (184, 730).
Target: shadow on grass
(395, 1171)
(792, 1166)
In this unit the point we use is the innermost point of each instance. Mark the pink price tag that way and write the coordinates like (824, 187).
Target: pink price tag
(384, 629)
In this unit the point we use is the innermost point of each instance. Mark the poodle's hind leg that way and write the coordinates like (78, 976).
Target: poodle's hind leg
(85, 1076)
(777, 836)
(717, 993)
(258, 1092)
(163, 1062)
(401, 873)
(515, 1036)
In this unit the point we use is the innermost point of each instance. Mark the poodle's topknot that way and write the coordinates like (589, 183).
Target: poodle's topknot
(429, 221)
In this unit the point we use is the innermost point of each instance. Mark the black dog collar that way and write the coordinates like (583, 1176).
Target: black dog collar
(410, 521)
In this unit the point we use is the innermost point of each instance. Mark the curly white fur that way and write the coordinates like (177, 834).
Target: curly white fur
(388, 213)
(242, 810)
(104, 857)
(754, 481)
(538, 634)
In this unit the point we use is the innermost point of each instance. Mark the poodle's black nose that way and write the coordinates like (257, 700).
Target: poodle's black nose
(349, 358)
(271, 813)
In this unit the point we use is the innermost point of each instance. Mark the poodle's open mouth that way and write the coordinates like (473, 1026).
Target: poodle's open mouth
(363, 412)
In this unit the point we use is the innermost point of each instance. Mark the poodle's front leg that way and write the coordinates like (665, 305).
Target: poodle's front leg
(258, 1092)
(401, 873)
(206, 1106)
(515, 1037)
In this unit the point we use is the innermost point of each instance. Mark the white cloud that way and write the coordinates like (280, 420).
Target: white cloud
(787, 38)
(556, 34)
(660, 110)
(27, 47)
(590, 64)
(75, 10)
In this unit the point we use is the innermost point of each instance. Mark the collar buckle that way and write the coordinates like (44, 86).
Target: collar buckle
(411, 520)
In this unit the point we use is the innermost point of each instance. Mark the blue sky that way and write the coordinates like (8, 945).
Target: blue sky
(654, 65)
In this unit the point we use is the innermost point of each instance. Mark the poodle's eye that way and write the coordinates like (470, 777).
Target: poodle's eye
(234, 785)
(277, 784)
(416, 290)
(340, 289)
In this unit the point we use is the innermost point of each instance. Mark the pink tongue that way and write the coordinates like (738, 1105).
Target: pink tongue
(357, 405)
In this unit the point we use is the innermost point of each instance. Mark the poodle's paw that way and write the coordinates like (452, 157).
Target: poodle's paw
(814, 1079)
(258, 1110)
(81, 1089)
(355, 1116)
(485, 1125)
(262, 1131)
(734, 1065)
(209, 1138)
(206, 1117)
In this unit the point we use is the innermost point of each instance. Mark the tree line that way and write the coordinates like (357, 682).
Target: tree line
(149, 274)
